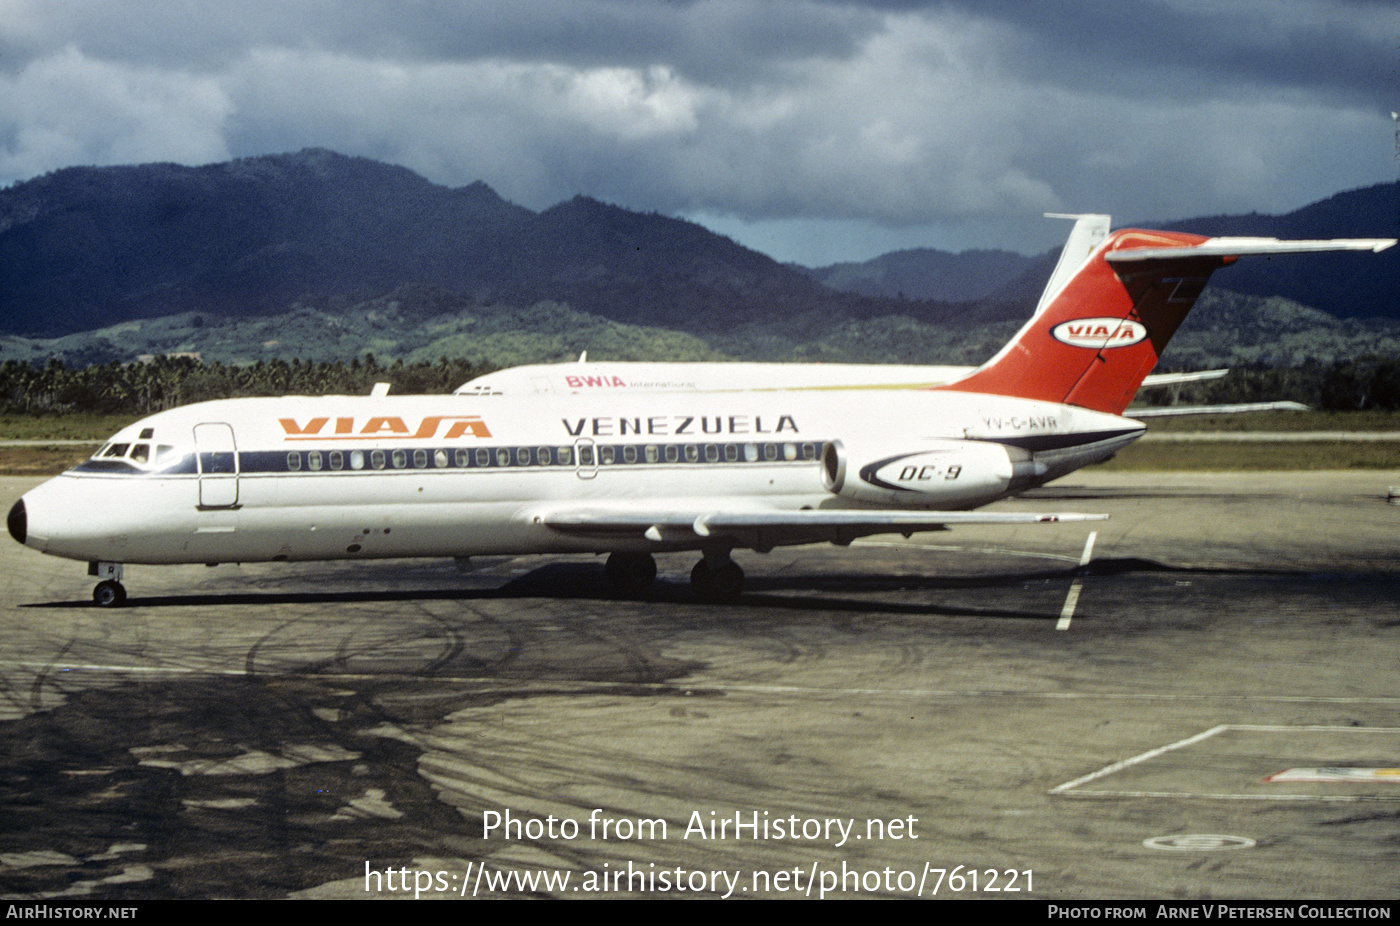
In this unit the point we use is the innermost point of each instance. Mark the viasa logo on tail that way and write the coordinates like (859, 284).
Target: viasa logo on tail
(1099, 332)
(385, 427)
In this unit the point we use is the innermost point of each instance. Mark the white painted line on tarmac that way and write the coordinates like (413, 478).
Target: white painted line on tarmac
(1138, 759)
(1072, 599)
(1192, 740)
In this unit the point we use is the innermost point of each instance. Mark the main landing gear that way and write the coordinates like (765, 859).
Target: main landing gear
(630, 573)
(716, 578)
(109, 593)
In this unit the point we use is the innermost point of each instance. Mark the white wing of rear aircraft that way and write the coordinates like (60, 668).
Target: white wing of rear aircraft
(1239, 408)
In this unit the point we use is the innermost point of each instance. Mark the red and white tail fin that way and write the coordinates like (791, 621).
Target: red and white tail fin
(1092, 342)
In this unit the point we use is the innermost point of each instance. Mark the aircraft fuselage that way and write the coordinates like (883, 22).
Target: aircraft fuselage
(341, 477)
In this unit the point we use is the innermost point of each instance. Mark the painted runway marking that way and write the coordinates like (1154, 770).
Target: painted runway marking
(1198, 842)
(1072, 599)
(1072, 787)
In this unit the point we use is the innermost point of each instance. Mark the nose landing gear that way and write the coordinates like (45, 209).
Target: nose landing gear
(109, 593)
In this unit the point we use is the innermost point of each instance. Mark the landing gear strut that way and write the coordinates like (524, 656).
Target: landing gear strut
(109, 593)
(717, 579)
(630, 573)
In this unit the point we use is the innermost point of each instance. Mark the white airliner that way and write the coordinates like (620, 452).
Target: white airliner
(632, 473)
(584, 376)
(633, 376)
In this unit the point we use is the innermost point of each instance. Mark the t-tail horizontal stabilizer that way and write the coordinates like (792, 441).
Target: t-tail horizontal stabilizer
(1101, 332)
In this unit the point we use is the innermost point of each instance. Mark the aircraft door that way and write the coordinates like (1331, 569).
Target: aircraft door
(218, 465)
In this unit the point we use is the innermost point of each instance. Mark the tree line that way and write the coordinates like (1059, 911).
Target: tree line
(1361, 384)
(143, 388)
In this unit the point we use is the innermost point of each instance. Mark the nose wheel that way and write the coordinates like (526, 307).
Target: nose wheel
(109, 594)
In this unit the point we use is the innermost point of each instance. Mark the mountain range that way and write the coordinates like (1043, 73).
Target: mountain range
(273, 255)
(1347, 286)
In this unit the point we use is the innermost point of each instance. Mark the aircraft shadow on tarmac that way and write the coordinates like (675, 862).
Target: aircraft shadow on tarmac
(823, 591)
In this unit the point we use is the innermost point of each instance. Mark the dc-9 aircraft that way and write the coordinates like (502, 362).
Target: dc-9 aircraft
(633, 473)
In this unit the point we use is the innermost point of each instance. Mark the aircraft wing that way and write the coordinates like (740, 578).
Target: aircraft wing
(1176, 379)
(1177, 411)
(763, 529)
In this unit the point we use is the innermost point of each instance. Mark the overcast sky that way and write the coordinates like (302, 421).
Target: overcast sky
(812, 130)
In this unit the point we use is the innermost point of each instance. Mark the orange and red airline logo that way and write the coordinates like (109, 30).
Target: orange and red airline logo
(386, 427)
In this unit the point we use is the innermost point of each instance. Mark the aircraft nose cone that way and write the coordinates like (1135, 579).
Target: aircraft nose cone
(18, 522)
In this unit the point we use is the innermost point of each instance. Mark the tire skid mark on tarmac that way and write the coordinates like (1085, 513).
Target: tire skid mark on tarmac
(36, 687)
(216, 783)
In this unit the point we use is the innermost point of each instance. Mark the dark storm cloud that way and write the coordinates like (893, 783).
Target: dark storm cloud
(1298, 44)
(958, 117)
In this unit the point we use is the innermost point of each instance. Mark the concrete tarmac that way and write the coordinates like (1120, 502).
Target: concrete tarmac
(1208, 710)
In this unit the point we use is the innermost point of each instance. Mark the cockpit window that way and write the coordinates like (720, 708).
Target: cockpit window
(129, 455)
(141, 455)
